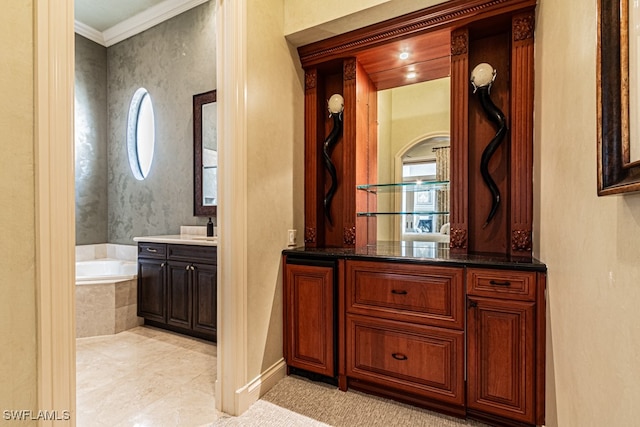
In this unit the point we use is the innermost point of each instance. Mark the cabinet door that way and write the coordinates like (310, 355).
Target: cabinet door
(309, 328)
(151, 289)
(179, 294)
(501, 358)
(205, 299)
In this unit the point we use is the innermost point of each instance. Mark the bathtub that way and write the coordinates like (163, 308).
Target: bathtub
(106, 289)
(105, 270)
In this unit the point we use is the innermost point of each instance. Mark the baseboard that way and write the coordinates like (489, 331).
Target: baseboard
(251, 393)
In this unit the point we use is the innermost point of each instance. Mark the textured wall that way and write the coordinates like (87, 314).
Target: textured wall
(589, 243)
(90, 141)
(173, 61)
(18, 369)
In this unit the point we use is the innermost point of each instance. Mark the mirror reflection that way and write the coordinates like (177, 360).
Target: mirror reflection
(413, 153)
(209, 155)
(205, 154)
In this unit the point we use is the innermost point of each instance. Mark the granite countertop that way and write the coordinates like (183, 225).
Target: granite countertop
(180, 239)
(422, 252)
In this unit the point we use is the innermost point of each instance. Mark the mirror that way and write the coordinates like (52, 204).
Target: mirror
(205, 154)
(413, 141)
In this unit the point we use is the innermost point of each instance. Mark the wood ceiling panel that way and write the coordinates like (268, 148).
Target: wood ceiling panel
(428, 57)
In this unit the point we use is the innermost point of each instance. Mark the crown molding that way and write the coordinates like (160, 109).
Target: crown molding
(137, 23)
(88, 32)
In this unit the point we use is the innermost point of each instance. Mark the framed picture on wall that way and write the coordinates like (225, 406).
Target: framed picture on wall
(618, 96)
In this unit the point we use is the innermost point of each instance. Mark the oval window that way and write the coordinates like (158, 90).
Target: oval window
(141, 134)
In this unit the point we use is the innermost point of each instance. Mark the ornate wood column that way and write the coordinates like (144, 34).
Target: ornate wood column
(459, 140)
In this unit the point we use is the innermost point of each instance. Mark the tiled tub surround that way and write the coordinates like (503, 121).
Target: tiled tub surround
(106, 303)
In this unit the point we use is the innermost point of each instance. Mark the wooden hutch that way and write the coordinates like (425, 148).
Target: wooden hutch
(457, 327)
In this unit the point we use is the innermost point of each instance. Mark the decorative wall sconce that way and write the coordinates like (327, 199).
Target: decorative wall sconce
(482, 77)
(336, 106)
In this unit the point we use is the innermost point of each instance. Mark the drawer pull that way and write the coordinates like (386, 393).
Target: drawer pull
(398, 291)
(152, 250)
(399, 356)
(495, 283)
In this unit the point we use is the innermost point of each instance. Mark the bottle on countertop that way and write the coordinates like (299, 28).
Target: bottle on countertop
(209, 228)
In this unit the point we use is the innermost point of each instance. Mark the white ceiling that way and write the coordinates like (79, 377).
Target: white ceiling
(108, 23)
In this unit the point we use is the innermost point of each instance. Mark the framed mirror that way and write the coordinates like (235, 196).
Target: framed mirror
(618, 83)
(205, 154)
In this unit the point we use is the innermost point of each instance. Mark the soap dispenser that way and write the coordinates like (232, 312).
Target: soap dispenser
(209, 228)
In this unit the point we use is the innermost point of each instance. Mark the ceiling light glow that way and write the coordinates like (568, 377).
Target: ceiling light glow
(404, 55)
(411, 75)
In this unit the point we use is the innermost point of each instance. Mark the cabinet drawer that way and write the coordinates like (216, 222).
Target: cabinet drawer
(414, 293)
(416, 359)
(152, 250)
(502, 284)
(193, 253)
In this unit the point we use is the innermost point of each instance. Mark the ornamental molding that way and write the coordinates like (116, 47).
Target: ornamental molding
(350, 69)
(349, 235)
(521, 240)
(523, 28)
(458, 239)
(459, 43)
(310, 235)
(310, 79)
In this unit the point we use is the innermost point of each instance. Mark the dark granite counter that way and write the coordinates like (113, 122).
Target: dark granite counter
(419, 252)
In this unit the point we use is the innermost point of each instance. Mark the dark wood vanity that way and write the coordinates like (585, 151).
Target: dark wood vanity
(177, 287)
(458, 327)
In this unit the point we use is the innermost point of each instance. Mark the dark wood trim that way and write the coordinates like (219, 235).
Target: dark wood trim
(521, 149)
(459, 141)
(198, 101)
(613, 176)
(449, 14)
(312, 209)
(541, 348)
(341, 333)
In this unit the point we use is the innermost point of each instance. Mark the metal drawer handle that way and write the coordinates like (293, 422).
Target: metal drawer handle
(399, 356)
(152, 250)
(505, 283)
(398, 292)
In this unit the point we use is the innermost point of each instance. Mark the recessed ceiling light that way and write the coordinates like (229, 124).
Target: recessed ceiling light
(411, 75)
(404, 55)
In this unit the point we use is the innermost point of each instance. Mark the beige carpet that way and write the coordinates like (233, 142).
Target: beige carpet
(298, 402)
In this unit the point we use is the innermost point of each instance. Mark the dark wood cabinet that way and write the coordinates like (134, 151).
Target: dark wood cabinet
(500, 343)
(505, 344)
(461, 339)
(151, 289)
(177, 288)
(309, 317)
(179, 298)
(459, 328)
(405, 329)
(205, 298)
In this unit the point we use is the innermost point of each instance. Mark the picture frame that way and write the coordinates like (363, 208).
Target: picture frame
(617, 172)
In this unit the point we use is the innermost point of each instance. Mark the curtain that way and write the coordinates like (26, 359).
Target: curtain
(442, 191)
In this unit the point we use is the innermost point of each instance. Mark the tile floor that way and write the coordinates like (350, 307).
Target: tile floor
(145, 377)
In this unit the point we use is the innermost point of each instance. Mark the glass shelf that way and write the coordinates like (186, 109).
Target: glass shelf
(401, 213)
(405, 186)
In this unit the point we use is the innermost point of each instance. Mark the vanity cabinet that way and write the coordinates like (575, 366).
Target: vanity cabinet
(309, 316)
(461, 336)
(177, 287)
